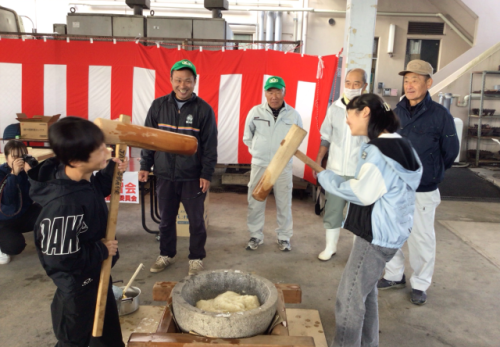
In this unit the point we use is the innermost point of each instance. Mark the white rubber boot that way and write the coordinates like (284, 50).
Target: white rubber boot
(332, 238)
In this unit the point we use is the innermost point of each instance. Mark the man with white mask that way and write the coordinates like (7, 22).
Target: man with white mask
(343, 149)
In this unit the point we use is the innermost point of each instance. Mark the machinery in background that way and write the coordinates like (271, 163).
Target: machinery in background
(10, 21)
(191, 30)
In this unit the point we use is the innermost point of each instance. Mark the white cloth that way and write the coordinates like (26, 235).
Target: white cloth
(421, 244)
(344, 148)
(282, 194)
(263, 135)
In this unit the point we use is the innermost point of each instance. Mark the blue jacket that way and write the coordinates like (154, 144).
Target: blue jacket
(15, 193)
(381, 196)
(431, 131)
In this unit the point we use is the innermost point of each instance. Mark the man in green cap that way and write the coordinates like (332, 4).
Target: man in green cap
(182, 178)
(265, 127)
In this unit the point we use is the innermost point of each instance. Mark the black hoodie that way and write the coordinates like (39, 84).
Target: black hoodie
(72, 223)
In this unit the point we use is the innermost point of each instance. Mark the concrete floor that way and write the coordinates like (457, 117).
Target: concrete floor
(462, 308)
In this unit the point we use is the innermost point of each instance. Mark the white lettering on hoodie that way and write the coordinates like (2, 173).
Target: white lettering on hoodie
(60, 235)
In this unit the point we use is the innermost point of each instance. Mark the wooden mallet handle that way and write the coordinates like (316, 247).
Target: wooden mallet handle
(281, 159)
(102, 292)
(308, 161)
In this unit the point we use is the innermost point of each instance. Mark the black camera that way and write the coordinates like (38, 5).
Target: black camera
(30, 160)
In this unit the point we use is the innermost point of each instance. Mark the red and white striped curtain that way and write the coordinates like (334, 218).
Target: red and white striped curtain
(106, 79)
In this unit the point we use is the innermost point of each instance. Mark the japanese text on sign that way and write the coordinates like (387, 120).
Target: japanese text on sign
(129, 190)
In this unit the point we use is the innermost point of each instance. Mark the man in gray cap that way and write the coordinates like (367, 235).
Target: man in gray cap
(431, 129)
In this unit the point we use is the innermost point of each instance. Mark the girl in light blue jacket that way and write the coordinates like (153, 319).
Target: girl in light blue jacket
(380, 212)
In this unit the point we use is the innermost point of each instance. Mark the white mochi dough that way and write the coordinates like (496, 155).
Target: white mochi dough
(229, 302)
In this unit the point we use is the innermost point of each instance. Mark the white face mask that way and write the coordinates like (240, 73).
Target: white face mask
(352, 93)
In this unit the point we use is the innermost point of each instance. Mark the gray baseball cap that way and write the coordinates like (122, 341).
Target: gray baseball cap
(419, 67)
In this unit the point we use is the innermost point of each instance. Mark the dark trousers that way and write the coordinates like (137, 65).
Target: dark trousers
(170, 195)
(11, 231)
(73, 318)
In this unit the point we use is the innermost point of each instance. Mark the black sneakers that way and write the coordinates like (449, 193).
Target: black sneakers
(384, 284)
(418, 297)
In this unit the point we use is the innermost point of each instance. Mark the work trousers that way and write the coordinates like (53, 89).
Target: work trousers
(356, 308)
(282, 194)
(11, 231)
(421, 244)
(170, 194)
(73, 318)
(334, 209)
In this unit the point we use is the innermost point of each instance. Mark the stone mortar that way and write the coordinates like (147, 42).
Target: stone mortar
(207, 285)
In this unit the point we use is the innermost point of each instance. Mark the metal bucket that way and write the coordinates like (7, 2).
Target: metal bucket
(130, 303)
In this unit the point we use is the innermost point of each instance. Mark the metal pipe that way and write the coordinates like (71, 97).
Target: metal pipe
(269, 27)
(260, 29)
(137, 10)
(448, 97)
(304, 28)
(33, 29)
(216, 13)
(278, 30)
(295, 27)
(441, 98)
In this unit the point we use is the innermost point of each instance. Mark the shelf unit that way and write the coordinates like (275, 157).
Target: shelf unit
(480, 117)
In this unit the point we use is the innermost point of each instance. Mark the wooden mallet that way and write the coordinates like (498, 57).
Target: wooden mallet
(124, 134)
(289, 148)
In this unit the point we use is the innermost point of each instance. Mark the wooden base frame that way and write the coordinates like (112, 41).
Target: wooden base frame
(167, 334)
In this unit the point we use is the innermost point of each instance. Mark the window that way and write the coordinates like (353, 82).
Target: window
(243, 37)
(427, 50)
(374, 64)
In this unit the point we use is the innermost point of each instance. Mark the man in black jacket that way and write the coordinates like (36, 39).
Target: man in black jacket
(430, 128)
(182, 178)
(70, 230)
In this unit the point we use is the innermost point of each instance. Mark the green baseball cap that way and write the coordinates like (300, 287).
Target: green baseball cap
(184, 64)
(274, 82)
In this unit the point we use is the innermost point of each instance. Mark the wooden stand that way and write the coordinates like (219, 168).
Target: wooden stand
(167, 334)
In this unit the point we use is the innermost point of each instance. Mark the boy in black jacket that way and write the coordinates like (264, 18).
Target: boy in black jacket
(70, 230)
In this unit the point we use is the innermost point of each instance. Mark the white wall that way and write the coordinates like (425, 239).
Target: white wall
(487, 35)
(461, 87)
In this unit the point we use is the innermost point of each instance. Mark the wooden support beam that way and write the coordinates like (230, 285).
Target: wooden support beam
(291, 292)
(167, 324)
(162, 290)
(282, 328)
(187, 340)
